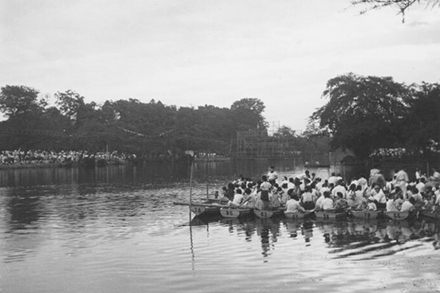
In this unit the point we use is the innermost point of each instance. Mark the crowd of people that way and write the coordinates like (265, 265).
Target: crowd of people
(43, 157)
(308, 192)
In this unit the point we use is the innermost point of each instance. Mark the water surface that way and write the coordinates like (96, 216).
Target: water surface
(116, 230)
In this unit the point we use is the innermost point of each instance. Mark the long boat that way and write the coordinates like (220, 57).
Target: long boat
(398, 215)
(235, 212)
(264, 214)
(203, 209)
(298, 215)
(430, 214)
(366, 214)
(330, 214)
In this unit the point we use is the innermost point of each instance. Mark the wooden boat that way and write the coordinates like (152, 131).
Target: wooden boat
(298, 215)
(202, 209)
(397, 215)
(205, 211)
(235, 212)
(430, 214)
(264, 214)
(366, 214)
(330, 214)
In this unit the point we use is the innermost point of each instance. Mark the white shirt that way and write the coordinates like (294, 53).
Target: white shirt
(238, 198)
(327, 204)
(341, 189)
(407, 206)
(272, 175)
(293, 206)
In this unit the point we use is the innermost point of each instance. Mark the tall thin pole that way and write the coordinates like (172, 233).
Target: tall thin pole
(190, 183)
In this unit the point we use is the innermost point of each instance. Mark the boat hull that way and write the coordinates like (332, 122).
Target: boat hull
(364, 214)
(297, 215)
(234, 212)
(205, 211)
(264, 214)
(430, 214)
(326, 215)
(397, 215)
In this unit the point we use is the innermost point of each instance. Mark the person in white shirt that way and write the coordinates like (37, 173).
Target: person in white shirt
(238, 198)
(339, 188)
(250, 199)
(391, 205)
(371, 204)
(356, 199)
(408, 205)
(327, 203)
(379, 197)
(307, 199)
(293, 205)
(421, 185)
(265, 186)
(332, 179)
(401, 178)
(272, 176)
(318, 203)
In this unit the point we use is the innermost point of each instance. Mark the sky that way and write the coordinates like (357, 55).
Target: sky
(192, 53)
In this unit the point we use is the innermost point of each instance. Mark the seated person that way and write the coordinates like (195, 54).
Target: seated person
(238, 198)
(391, 206)
(292, 205)
(371, 204)
(341, 203)
(307, 198)
(327, 202)
(250, 199)
(275, 198)
(408, 205)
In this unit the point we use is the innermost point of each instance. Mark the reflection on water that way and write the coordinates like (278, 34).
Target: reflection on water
(359, 238)
(118, 230)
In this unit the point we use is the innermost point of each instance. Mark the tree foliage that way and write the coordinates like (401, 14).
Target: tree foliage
(19, 100)
(150, 130)
(363, 113)
(248, 114)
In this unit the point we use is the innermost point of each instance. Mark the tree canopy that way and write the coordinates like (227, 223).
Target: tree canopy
(368, 113)
(148, 129)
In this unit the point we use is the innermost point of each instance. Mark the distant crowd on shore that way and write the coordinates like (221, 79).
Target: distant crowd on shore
(43, 157)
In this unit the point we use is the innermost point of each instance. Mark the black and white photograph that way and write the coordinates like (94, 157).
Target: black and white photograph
(219, 146)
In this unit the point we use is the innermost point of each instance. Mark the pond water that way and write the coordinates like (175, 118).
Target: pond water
(116, 229)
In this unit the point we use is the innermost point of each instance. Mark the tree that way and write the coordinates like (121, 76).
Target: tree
(422, 125)
(363, 113)
(248, 114)
(17, 100)
(400, 5)
(70, 103)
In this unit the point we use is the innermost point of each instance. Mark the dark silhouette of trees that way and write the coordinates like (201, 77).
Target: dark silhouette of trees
(368, 113)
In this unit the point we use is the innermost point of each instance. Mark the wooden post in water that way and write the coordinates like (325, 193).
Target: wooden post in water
(190, 155)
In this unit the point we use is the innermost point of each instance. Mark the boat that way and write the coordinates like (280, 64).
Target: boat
(330, 214)
(298, 215)
(366, 214)
(264, 214)
(235, 212)
(397, 215)
(203, 209)
(430, 214)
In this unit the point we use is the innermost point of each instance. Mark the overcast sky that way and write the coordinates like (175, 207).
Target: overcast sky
(205, 52)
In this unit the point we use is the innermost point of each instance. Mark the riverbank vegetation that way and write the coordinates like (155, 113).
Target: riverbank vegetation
(369, 116)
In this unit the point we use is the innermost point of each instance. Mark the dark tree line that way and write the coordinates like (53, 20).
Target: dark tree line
(146, 129)
(366, 113)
